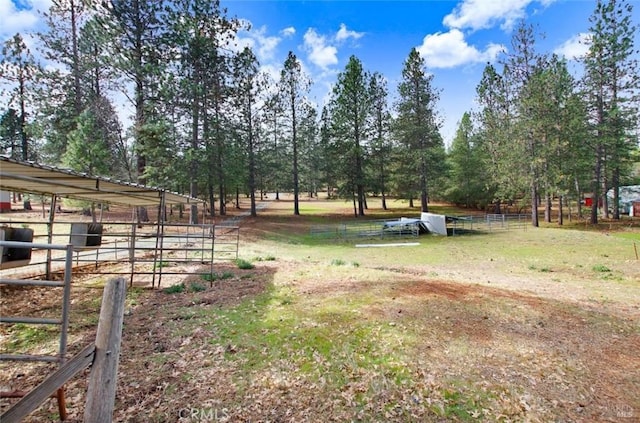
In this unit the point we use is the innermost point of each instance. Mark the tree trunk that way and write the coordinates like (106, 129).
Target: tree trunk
(616, 193)
(605, 200)
(355, 210)
(534, 205)
(560, 210)
(547, 208)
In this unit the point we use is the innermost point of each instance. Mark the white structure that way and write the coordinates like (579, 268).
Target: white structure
(436, 223)
(628, 195)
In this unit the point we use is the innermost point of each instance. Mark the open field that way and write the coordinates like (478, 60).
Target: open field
(530, 325)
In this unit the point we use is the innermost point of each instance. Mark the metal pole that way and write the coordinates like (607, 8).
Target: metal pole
(52, 212)
(132, 246)
(66, 301)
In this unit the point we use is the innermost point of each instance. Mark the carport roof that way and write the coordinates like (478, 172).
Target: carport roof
(35, 178)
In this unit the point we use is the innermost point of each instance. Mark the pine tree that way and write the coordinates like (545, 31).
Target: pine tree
(350, 108)
(467, 172)
(18, 67)
(293, 87)
(611, 78)
(135, 29)
(10, 137)
(249, 84)
(381, 139)
(417, 126)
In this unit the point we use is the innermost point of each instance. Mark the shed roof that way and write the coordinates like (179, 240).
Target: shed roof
(36, 178)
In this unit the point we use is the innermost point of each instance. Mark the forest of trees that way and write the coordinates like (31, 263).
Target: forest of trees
(209, 123)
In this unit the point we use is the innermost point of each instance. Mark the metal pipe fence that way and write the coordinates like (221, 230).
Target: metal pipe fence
(140, 250)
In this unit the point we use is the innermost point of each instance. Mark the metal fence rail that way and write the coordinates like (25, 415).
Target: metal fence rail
(349, 231)
(62, 321)
(145, 250)
(375, 228)
(489, 223)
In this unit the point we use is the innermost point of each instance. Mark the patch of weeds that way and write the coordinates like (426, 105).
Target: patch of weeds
(175, 289)
(210, 277)
(545, 270)
(266, 258)
(338, 262)
(247, 276)
(244, 264)
(457, 406)
(600, 268)
(355, 264)
(133, 294)
(160, 264)
(24, 336)
(196, 287)
(612, 277)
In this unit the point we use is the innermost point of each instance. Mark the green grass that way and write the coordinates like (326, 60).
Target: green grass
(161, 264)
(266, 258)
(196, 287)
(175, 289)
(244, 264)
(328, 343)
(24, 337)
(211, 277)
(601, 268)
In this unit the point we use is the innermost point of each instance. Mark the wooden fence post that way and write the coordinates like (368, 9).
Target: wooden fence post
(101, 393)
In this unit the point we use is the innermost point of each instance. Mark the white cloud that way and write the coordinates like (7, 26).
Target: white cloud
(344, 34)
(319, 52)
(575, 47)
(449, 49)
(482, 14)
(288, 31)
(263, 45)
(13, 20)
(266, 44)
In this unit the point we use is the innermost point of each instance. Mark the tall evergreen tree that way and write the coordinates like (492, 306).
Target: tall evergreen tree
(294, 86)
(310, 150)
(19, 69)
(136, 31)
(198, 28)
(350, 108)
(417, 127)
(467, 173)
(611, 78)
(273, 162)
(381, 144)
(249, 84)
(10, 137)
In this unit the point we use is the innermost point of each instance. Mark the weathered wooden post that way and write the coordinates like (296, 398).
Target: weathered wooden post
(101, 394)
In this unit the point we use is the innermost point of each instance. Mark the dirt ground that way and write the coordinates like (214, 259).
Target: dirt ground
(545, 356)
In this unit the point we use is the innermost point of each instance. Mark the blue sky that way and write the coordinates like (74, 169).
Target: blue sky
(456, 38)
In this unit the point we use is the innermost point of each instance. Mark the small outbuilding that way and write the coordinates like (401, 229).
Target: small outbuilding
(628, 195)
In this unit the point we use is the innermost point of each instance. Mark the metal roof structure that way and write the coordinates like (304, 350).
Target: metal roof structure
(29, 177)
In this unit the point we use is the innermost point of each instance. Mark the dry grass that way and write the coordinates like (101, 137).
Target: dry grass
(536, 325)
